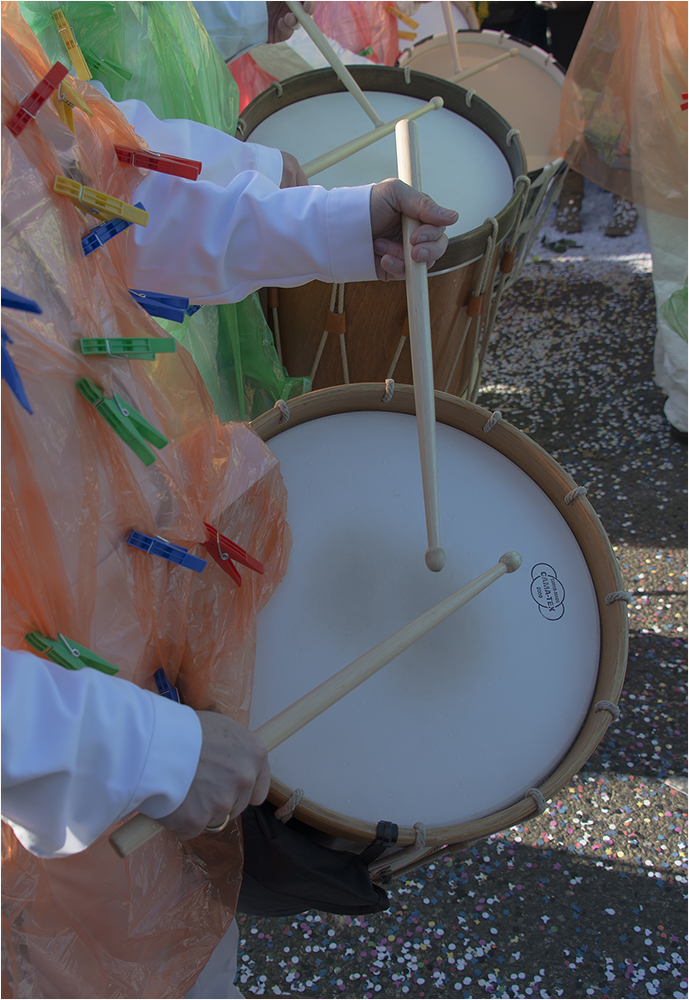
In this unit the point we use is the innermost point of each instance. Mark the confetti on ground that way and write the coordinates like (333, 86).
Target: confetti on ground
(589, 899)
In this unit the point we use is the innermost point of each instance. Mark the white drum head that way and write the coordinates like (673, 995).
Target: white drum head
(525, 89)
(485, 706)
(461, 167)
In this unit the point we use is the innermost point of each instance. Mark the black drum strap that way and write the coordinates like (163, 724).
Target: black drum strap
(386, 836)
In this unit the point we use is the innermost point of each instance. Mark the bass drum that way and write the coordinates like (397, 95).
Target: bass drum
(494, 710)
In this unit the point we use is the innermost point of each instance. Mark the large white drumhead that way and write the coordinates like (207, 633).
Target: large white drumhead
(525, 89)
(461, 167)
(486, 705)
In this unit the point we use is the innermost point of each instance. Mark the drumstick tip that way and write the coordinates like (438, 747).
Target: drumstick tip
(436, 103)
(435, 559)
(512, 561)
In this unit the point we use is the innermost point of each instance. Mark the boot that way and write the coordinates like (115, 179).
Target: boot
(623, 219)
(568, 218)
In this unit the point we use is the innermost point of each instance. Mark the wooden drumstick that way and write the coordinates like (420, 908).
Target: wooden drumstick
(486, 65)
(134, 833)
(356, 145)
(322, 43)
(409, 170)
(451, 34)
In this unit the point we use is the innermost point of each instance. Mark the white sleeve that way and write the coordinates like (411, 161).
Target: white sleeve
(222, 156)
(234, 28)
(81, 750)
(216, 245)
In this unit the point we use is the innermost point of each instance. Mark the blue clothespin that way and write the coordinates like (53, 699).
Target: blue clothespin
(10, 300)
(164, 687)
(164, 306)
(8, 369)
(11, 375)
(104, 232)
(190, 310)
(158, 546)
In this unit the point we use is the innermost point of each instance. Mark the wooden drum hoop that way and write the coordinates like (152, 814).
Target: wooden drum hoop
(595, 548)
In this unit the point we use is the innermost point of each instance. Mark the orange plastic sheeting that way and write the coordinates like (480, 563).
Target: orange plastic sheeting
(622, 124)
(93, 925)
(357, 26)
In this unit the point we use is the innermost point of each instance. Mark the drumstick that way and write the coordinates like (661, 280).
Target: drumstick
(486, 65)
(136, 831)
(451, 36)
(356, 145)
(322, 43)
(409, 170)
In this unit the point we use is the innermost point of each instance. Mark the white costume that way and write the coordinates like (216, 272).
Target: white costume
(81, 750)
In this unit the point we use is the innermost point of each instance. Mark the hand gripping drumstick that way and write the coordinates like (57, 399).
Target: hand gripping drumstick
(134, 834)
(343, 74)
(356, 145)
(409, 170)
(451, 36)
(486, 65)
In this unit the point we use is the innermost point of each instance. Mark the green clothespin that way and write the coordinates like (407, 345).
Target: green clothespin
(68, 653)
(95, 63)
(124, 420)
(136, 348)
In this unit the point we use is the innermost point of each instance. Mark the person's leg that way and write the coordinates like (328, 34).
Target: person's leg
(623, 219)
(568, 218)
(217, 979)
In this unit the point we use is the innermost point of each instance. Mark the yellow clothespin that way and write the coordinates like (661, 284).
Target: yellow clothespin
(96, 203)
(409, 35)
(67, 35)
(410, 23)
(65, 98)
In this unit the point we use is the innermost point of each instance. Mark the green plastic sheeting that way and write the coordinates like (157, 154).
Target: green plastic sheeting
(160, 53)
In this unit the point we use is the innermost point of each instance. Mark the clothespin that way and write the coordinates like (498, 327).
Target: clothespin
(10, 300)
(178, 166)
(8, 371)
(134, 348)
(100, 234)
(124, 420)
(94, 63)
(410, 23)
(190, 310)
(164, 687)
(75, 54)
(157, 546)
(685, 102)
(409, 36)
(28, 108)
(68, 653)
(67, 98)
(96, 203)
(224, 551)
(170, 307)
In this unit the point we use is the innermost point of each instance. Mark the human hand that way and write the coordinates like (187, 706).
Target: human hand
(390, 200)
(232, 772)
(292, 174)
(282, 22)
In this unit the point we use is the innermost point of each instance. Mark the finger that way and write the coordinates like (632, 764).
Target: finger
(426, 234)
(392, 266)
(419, 206)
(430, 252)
(382, 246)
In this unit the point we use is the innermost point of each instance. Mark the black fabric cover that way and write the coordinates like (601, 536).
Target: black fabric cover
(286, 872)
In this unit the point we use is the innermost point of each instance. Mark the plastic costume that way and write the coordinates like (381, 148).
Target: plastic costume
(91, 925)
(160, 53)
(623, 125)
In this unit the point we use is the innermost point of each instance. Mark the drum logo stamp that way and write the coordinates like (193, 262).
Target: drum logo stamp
(547, 591)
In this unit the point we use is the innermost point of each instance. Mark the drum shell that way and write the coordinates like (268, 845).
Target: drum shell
(602, 565)
(375, 311)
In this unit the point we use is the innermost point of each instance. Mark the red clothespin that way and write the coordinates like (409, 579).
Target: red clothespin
(224, 551)
(31, 104)
(163, 162)
(685, 102)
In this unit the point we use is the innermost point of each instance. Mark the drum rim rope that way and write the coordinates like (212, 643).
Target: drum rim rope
(596, 550)
(462, 249)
